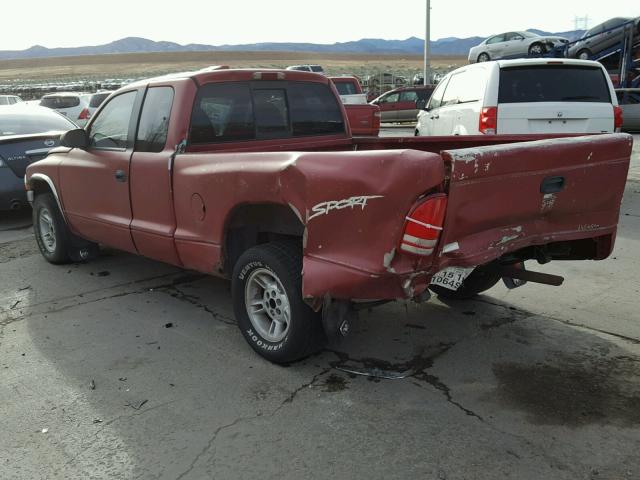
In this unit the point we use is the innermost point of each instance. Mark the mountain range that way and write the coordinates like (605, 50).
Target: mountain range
(410, 46)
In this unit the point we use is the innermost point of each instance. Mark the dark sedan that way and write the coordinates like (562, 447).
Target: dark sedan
(603, 37)
(27, 133)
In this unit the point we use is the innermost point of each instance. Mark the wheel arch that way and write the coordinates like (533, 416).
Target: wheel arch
(251, 224)
(40, 183)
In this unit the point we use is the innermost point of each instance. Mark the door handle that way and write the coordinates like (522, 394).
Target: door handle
(552, 185)
(435, 117)
(120, 176)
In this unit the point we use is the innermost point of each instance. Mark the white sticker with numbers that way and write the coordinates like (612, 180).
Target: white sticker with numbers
(451, 277)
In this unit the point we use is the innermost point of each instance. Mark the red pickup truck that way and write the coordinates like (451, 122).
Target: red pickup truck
(254, 175)
(364, 118)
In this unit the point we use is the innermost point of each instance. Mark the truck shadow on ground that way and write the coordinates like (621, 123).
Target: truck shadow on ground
(555, 374)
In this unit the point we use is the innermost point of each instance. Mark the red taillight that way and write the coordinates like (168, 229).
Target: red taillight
(617, 117)
(489, 120)
(423, 226)
(84, 114)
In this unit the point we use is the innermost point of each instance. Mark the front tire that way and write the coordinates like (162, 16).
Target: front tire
(483, 57)
(536, 50)
(267, 301)
(52, 234)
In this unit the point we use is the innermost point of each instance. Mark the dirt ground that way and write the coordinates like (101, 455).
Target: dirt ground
(147, 64)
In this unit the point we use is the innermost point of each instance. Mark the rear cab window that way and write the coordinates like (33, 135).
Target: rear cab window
(553, 83)
(239, 111)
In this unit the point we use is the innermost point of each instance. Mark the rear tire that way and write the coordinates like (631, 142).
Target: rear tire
(52, 234)
(481, 279)
(267, 301)
(483, 57)
(584, 54)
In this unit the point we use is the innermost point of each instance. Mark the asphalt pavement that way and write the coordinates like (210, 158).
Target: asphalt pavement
(126, 368)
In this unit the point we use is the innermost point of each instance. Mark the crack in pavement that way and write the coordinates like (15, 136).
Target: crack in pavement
(178, 294)
(418, 367)
(104, 425)
(210, 445)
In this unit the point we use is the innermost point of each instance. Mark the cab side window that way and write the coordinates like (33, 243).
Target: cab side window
(110, 129)
(154, 120)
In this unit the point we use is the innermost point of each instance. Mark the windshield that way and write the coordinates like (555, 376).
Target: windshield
(27, 122)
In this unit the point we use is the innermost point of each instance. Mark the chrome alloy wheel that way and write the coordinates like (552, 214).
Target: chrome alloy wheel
(47, 230)
(267, 305)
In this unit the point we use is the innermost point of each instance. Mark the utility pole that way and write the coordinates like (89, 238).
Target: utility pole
(427, 41)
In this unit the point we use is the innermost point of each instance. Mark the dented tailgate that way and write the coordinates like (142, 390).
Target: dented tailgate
(506, 197)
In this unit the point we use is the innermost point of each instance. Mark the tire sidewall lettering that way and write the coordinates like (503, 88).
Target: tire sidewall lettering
(249, 267)
(264, 344)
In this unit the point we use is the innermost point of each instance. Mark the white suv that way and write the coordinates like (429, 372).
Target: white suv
(73, 105)
(523, 96)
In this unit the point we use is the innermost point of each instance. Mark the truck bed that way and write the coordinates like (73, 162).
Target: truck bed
(544, 198)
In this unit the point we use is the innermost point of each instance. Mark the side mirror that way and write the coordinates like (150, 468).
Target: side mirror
(76, 138)
(421, 104)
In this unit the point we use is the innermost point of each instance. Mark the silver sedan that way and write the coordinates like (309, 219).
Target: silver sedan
(514, 45)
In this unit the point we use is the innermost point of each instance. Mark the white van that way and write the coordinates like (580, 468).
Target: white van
(536, 95)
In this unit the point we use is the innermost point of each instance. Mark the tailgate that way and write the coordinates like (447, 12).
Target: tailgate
(554, 117)
(507, 197)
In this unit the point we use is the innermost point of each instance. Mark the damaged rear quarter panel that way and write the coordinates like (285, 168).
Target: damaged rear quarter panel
(353, 206)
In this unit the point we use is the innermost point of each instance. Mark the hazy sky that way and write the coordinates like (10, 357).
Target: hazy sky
(64, 23)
